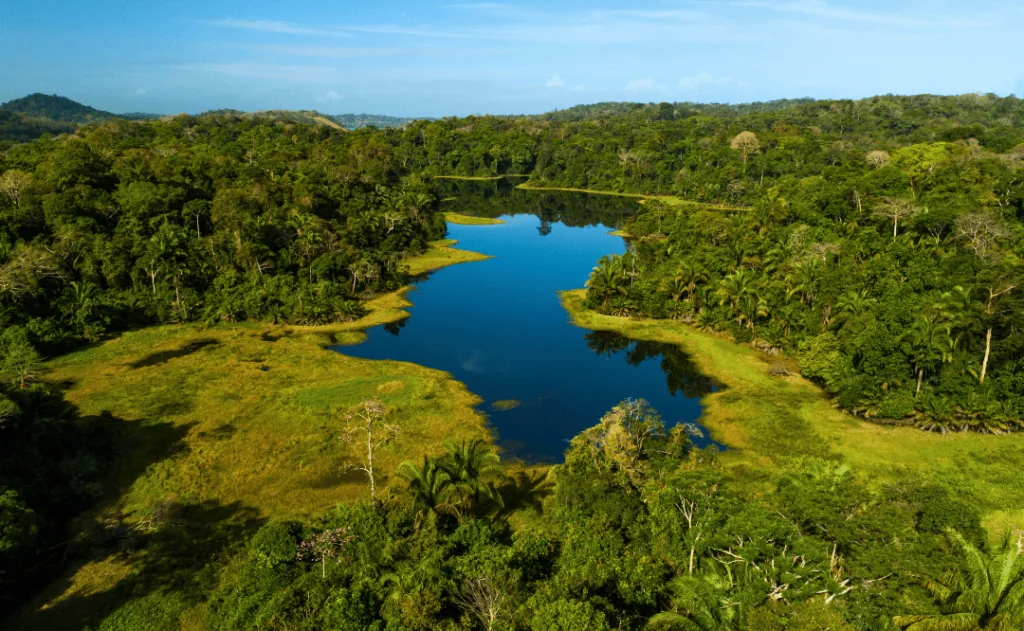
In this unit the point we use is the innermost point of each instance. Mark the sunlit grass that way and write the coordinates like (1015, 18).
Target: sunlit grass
(768, 420)
(245, 417)
(467, 220)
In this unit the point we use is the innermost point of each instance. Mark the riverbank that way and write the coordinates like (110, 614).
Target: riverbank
(671, 200)
(768, 420)
(232, 425)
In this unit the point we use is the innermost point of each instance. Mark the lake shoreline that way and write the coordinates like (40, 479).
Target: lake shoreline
(768, 422)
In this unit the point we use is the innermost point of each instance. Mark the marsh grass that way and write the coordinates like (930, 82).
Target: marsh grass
(767, 421)
(467, 220)
(227, 427)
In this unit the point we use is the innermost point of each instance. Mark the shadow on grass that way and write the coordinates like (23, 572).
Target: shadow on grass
(171, 554)
(160, 357)
(164, 546)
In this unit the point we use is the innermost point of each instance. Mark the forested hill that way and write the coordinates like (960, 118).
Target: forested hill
(356, 121)
(56, 108)
(665, 111)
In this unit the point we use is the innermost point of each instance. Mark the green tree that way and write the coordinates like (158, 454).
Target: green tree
(985, 594)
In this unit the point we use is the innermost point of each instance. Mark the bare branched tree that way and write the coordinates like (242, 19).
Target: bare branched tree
(369, 422)
(877, 158)
(981, 231)
(12, 183)
(896, 209)
(484, 599)
(746, 143)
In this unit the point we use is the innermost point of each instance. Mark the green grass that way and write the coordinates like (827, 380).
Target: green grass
(467, 220)
(239, 420)
(766, 421)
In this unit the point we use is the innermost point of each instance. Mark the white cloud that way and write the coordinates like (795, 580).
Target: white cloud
(330, 97)
(555, 82)
(641, 84)
(705, 79)
(330, 52)
(822, 9)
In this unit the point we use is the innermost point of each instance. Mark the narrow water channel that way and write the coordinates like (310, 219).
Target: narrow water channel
(498, 326)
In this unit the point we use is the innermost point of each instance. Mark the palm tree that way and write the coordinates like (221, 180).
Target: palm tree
(608, 279)
(468, 464)
(852, 305)
(930, 341)
(430, 488)
(736, 288)
(803, 280)
(694, 606)
(987, 594)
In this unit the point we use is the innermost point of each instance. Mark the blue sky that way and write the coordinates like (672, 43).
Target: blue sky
(448, 58)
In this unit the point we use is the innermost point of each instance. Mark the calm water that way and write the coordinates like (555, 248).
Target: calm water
(498, 327)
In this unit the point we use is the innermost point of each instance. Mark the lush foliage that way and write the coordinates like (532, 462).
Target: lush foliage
(891, 266)
(202, 219)
(636, 530)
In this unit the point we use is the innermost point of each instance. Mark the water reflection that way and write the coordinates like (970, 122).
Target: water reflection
(682, 375)
(501, 197)
(498, 327)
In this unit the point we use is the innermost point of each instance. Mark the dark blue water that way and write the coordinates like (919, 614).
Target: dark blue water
(498, 326)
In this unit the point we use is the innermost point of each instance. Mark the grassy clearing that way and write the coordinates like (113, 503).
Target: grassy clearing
(234, 425)
(466, 220)
(671, 200)
(768, 420)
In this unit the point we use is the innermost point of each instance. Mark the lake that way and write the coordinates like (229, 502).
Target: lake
(498, 325)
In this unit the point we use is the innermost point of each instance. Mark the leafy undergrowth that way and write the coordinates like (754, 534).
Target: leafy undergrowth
(768, 420)
(225, 428)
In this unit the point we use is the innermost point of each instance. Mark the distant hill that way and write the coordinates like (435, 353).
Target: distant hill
(56, 108)
(666, 111)
(313, 117)
(32, 116)
(356, 121)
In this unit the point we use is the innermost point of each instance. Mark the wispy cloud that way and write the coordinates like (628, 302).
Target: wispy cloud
(330, 52)
(822, 9)
(555, 82)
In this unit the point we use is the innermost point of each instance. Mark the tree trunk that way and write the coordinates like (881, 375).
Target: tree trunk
(369, 464)
(895, 222)
(988, 349)
(920, 376)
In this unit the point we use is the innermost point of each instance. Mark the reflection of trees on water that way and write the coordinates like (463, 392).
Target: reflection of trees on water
(394, 328)
(501, 197)
(682, 375)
